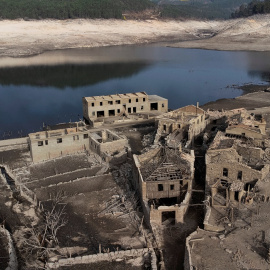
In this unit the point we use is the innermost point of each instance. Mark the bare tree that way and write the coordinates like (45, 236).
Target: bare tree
(39, 241)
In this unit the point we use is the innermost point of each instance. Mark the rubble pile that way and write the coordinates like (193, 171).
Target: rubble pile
(237, 186)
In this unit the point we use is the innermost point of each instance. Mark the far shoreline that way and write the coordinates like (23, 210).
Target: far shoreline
(21, 38)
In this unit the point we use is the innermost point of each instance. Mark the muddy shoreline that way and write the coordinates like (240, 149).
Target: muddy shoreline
(253, 97)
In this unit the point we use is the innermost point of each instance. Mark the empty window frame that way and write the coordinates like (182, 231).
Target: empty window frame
(75, 137)
(110, 102)
(59, 140)
(85, 136)
(101, 103)
(163, 105)
(117, 102)
(154, 106)
(129, 101)
(93, 104)
(171, 187)
(118, 110)
(129, 110)
(141, 107)
(40, 143)
(111, 112)
(100, 113)
(46, 142)
(160, 187)
(137, 100)
(93, 113)
(143, 99)
(239, 175)
(225, 172)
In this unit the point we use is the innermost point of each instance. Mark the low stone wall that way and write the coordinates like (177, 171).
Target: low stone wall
(13, 263)
(188, 259)
(110, 256)
(13, 142)
(26, 193)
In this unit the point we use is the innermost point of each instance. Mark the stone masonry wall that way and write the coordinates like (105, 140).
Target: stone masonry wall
(54, 149)
(111, 256)
(215, 170)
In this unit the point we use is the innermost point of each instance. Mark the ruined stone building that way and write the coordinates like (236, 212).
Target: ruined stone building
(236, 223)
(233, 167)
(46, 145)
(164, 179)
(183, 125)
(51, 144)
(108, 145)
(99, 107)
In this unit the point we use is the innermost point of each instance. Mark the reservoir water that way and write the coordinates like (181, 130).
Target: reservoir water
(48, 88)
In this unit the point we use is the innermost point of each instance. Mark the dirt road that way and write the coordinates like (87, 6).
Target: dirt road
(22, 38)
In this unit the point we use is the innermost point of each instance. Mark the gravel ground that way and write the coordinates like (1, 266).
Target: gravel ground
(59, 166)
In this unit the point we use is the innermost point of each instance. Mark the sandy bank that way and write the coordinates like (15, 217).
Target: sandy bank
(21, 38)
(246, 34)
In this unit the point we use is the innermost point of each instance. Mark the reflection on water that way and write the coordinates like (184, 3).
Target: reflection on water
(48, 88)
(69, 75)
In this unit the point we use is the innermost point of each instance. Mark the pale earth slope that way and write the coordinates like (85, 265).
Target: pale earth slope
(22, 38)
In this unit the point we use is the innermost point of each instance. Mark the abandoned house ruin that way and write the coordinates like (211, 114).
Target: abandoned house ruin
(45, 145)
(109, 145)
(98, 108)
(182, 125)
(233, 167)
(163, 178)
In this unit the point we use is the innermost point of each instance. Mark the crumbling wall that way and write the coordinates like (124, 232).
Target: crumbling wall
(250, 153)
(215, 171)
(114, 146)
(14, 142)
(220, 156)
(238, 130)
(26, 193)
(138, 182)
(180, 210)
(13, 263)
(110, 256)
(188, 258)
(147, 156)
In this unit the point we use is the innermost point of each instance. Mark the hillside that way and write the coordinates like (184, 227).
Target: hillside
(118, 9)
(254, 7)
(68, 9)
(203, 9)
(22, 38)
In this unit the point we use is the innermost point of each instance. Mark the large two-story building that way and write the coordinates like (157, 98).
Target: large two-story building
(99, 107)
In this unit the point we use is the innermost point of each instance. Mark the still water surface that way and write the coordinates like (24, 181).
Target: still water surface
(48, 88)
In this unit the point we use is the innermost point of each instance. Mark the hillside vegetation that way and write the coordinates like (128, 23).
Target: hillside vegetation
(68, 9)
(254, 7)
(134, 9)
(214, 9)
